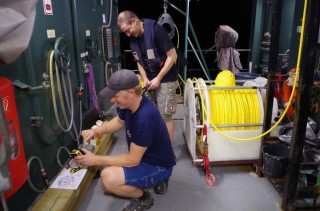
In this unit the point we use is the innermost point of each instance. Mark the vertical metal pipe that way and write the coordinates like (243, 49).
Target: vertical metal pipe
(308, 61)
(75, 27)
(273, 58)
(186, 40)
(189, 24)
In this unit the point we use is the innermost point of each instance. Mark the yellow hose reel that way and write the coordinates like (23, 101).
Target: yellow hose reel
(228, 111)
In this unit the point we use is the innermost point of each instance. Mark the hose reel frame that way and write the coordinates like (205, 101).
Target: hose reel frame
(222, 150)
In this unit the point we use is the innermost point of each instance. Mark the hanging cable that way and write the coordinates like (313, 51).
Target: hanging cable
(65, 95)
(80, 94)
(42, 172)
(4, 202)
(55, 107)
(107, 74)
(58, 155)
(93, 99)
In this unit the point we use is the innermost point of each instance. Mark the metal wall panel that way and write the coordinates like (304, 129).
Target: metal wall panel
(75, 21)
(94, 18)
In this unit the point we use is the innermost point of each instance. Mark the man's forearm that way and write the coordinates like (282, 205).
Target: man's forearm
(170, 61)
(166, 67)
(109, 127)
(142, 72)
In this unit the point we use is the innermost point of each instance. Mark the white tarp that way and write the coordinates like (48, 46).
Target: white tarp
(16, 26)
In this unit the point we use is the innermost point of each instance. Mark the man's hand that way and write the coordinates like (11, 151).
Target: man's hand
(154, 84)
(88, 159)
(146, 82)
(87, 135)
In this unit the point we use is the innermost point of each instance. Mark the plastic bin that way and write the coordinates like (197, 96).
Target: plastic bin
(275, 159)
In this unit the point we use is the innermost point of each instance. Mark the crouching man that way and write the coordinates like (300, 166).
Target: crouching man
(150, 158)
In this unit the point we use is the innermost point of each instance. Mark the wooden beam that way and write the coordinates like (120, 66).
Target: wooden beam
(62, 199)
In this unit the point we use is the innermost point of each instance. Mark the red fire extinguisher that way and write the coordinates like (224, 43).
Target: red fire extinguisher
(17, 162)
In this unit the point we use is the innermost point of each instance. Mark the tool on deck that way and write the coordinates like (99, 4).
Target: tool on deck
(210, 178)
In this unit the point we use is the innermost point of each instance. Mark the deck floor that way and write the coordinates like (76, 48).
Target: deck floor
(236, 188)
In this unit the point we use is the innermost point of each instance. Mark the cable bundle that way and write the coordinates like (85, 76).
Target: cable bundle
(237, 106)
(93, 99)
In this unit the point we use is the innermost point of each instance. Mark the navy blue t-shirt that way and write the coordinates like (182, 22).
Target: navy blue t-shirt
(163, 44)
(146, 128)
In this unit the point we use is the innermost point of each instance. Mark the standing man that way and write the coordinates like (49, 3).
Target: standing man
(150, 158)
(156, 56)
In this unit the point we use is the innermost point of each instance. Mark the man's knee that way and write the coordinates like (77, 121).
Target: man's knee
(110, 178)
(105, 180)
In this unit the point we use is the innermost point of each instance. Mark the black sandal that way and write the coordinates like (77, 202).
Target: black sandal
(162, 188)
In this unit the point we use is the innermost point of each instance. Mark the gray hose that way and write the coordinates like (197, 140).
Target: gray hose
(58, 154)
(29, 179)
(4, 202)
(51, 63)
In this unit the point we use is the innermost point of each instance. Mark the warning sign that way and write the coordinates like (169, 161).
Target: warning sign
(47, 6)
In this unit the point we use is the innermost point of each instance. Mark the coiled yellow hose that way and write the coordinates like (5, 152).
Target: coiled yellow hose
(238, 106)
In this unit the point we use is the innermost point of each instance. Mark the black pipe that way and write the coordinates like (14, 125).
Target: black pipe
(76, 42)
(273, 60)
(308, 63)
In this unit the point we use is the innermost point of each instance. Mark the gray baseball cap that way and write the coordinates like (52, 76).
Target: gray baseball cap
(120, 80)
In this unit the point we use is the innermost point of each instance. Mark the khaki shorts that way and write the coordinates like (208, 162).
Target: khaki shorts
(165, 98)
